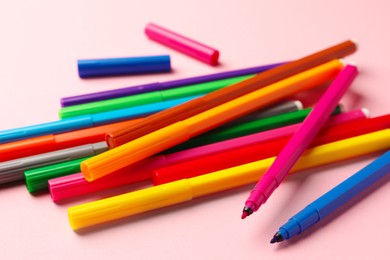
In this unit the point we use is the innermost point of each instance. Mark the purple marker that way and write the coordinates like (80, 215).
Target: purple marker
(128, 91)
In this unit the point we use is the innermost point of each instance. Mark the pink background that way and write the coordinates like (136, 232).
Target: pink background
(40, 43)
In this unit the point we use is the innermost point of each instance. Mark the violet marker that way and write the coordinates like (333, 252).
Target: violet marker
(299, 141)
(128, 91)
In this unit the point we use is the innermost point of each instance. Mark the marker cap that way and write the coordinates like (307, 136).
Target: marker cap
(183, 44)
(123, 66)
(37, 178)
(76, 185)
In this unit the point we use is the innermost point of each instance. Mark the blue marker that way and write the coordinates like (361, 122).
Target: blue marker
(334, 198)
(75, 123)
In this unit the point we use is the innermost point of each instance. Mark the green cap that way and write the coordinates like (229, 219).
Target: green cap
(36, 179)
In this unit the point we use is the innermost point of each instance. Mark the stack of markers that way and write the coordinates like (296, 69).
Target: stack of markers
(198, 136)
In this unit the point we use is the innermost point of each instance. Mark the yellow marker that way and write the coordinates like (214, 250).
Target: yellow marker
(167, 137)
(132, 203)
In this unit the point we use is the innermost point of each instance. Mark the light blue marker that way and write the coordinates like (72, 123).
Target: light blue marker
(85, 121)
(334, 198)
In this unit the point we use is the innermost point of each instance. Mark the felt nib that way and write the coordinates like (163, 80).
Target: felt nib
(277, 238)
(246, 212)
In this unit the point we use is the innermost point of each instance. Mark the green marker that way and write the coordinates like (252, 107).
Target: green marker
(148, 98)
(255, 126)
(36, 179)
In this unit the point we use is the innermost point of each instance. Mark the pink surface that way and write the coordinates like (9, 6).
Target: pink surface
(41, 41)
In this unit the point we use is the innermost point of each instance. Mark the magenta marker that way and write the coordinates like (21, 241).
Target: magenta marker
(183, 44)
(299, 141)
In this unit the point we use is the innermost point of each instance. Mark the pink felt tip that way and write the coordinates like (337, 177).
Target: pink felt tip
(244, 215)
(183, 44)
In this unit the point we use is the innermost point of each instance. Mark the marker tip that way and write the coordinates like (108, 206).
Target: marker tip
(277, 238)
(244, 215)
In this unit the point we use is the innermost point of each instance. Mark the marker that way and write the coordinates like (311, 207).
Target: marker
(134, 90)
(216, 98)
(299, 141)
(183, 44)
(117, 207)
(48, 143)
(258, 151)
(14, 170)
(181, 131)
(85, 121)
(247, 128)
(147, 98)
(75, 185)
(334, 199)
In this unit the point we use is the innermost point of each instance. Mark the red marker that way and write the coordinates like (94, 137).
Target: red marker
(231, 158)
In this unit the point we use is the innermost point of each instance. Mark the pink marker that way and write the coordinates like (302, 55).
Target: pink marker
(75, 185)
(299, 141)
(183, 44)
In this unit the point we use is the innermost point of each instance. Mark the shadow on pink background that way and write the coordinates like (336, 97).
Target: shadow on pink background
(41, 41)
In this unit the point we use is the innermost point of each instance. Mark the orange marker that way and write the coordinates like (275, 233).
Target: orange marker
(53, 142)
(164, 138)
